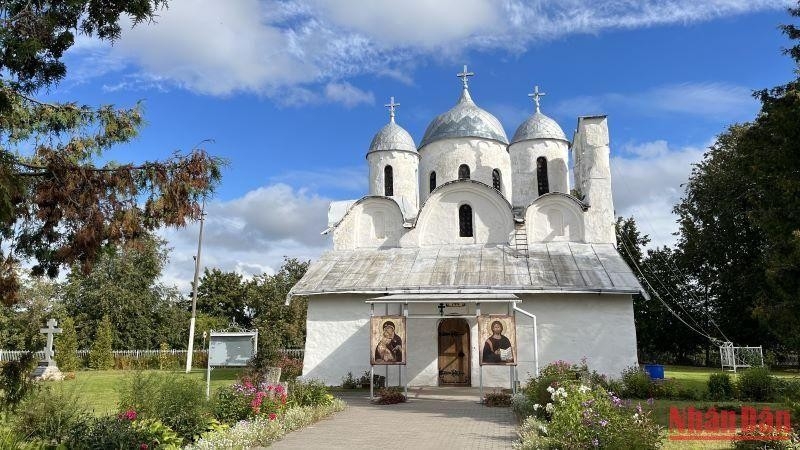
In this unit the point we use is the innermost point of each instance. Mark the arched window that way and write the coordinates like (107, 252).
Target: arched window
(432, 182)
(388, 181)
(463, 172)
(496, 180)
(541, 175)
(465, 221)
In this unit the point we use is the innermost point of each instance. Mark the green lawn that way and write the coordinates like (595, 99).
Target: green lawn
(99, 388)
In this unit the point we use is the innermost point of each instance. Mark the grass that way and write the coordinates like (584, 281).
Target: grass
(99, 387)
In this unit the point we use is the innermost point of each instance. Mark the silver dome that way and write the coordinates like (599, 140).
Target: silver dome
(392, 137)
(539, 126)
(464, 120)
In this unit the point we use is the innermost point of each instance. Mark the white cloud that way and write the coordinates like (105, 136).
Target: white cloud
(646, 182)
(713, 100)
(251, 234)
(347, 94)
(219, 48)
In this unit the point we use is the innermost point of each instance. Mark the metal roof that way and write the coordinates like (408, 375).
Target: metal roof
(392, 137)
(465, 119)
(556, 267)
(539, 126)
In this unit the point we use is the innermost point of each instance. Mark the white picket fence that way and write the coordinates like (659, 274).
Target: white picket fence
(13, 355)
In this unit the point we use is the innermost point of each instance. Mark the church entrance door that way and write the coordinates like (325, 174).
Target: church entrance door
(454, 358)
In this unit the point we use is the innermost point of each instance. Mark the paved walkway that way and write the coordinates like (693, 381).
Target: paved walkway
(433, 418)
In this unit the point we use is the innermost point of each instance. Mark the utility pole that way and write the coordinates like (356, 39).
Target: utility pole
(194, 290)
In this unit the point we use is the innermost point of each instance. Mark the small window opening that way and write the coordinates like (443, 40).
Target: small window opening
(465, 221)
(463, 172)
(541, 175)
(388, 181)
(496, 180)
(432, 182)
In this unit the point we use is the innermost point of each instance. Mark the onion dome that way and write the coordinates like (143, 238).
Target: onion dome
(465, 119)
(392, 136)
(538, 126)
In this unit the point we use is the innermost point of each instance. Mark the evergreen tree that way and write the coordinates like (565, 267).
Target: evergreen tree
(100, 355)
(66, 345)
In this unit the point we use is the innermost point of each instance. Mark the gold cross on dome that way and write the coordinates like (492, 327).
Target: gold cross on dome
(464, 75)
(536, 95)
(391, 105)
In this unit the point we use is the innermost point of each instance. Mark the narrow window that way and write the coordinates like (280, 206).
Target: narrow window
(496, 181)
(541, 175)
(388, 181)
(432, 182)
(463, 172)
(465, 221)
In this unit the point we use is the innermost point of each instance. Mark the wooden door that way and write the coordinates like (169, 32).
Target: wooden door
(454, 358)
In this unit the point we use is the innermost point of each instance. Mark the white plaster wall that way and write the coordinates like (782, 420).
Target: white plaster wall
(492, 219)
(571, 327)
(523, 166)
(406, 178)
(370, 223)
(553, 218)
(481, 155)
(594, 173)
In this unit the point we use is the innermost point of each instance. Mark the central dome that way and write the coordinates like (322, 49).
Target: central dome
(465, 119)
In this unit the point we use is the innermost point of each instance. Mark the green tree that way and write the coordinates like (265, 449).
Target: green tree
(100, 355)
(58, 208)
(223, 294)
(124, 286)
(66, 345)
(39, 300)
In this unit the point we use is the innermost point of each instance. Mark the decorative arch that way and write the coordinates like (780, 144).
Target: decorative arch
(555, 217)
(388, 181)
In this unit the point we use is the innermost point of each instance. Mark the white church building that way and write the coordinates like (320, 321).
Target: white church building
(466, 223)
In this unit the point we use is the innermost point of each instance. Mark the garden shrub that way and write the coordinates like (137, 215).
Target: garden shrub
(493, 399)
(581, 416)
(100, 353)
(555, 374)
(788, 389)
(291, 368)
(15, 381)
(66, 347)
(720, 387)
(756, 384)
(522, 406)
(176, 400)
(349, 382)
(118, 432)
(390, 396)
(49, 413)
(308, 393)
(246, 399)
(636, 383)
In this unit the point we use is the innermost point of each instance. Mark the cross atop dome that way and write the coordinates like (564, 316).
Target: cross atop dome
(391, 105)
(536, 95)
(464, 75)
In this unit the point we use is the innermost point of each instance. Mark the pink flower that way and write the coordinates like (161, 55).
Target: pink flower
(144, 447)
(128, 415)
(273, 416)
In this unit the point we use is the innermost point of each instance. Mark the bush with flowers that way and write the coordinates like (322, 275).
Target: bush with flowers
(246, 399)
(579, 412)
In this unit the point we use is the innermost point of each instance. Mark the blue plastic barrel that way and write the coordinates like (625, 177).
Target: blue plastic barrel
(656, 371)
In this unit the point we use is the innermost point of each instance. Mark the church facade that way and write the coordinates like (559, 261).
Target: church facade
(470, 223)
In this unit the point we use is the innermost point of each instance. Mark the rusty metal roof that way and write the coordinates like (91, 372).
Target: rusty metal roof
(550, 267)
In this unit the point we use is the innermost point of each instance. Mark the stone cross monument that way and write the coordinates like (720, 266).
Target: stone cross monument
(48, 369)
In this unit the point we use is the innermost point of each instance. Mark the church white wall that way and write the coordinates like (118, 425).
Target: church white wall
(553, 218)
(523, 165)
(593, 171)
(438, 224)
(370, 223)
(406, 179)
(571, 327)
(481, 155)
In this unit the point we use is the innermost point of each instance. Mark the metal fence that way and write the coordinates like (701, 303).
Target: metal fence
(13, 355)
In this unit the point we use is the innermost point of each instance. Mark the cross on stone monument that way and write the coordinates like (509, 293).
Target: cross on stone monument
(536, 95)
(391, 105)
(464, 75)
(50, 331)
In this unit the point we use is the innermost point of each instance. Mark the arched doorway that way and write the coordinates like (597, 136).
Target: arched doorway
(454, 357)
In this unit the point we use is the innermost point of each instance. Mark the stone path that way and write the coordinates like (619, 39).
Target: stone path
(433, 418)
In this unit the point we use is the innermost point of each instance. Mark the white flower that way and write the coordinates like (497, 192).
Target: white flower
(583, 389)
(549, 407)
(536, 407)
(550, 389)
(636, 416)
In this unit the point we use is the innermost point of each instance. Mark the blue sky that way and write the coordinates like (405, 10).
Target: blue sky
(292, 92)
